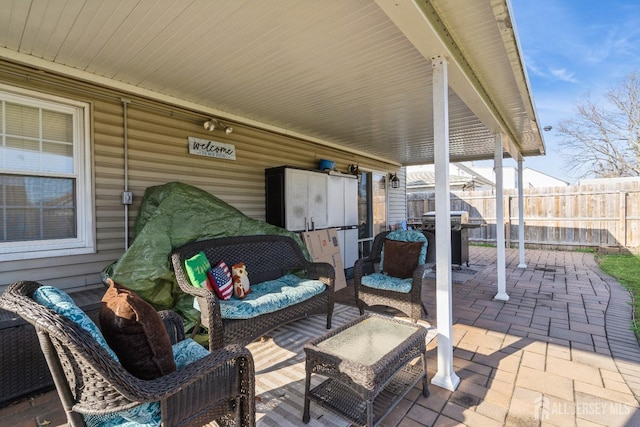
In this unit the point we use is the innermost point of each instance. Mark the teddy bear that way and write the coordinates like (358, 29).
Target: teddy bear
(241, 284)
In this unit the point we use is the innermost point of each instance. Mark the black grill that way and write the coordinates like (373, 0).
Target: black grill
(459, 234)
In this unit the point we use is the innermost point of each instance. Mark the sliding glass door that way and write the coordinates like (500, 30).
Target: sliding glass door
(372, 209)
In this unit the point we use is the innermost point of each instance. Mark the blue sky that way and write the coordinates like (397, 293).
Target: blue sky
(572, 48)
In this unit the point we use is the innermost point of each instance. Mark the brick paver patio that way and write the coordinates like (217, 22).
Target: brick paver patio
(560, 352)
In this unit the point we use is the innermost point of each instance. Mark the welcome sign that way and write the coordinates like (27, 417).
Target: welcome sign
(205, 147)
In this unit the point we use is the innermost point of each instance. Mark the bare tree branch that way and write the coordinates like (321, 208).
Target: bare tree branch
(604, 139)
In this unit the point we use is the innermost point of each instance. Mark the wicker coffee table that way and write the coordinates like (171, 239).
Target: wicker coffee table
(369, 365)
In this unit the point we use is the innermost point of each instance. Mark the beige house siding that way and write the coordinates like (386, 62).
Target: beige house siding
(158, 153)
(397, 200)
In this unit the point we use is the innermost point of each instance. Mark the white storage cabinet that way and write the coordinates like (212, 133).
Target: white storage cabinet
(296, 199)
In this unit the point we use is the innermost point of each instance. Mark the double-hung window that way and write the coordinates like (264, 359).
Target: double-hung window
(45, 176)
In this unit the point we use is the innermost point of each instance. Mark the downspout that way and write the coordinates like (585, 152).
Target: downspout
(127, 197)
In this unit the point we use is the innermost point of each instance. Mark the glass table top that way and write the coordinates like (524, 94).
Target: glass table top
(367, 341)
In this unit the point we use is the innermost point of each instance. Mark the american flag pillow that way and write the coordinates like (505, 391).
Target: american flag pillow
(220, 279)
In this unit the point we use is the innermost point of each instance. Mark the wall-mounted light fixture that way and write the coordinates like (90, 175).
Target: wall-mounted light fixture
(355, 170)
(394, 180)
(213, 124)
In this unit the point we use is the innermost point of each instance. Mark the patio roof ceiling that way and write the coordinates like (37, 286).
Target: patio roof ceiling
(354, 74)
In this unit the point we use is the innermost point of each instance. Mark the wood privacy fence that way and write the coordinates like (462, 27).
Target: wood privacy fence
(582, 216)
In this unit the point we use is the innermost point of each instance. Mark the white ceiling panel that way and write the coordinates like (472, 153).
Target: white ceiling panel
(351, 73)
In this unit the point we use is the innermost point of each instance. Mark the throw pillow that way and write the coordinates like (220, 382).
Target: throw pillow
(241, 284)
(220, 281)
(135, 331)
(197, 268)
(401, 258)
(408, 236)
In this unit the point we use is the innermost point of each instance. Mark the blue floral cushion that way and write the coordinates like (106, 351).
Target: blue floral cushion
(407, 236)
(382, 281)
(60, 302)
(271, 296)
(148, 415)
(145, 415)
(187, 351)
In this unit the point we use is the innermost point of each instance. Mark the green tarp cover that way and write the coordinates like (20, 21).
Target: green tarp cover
(170, 216)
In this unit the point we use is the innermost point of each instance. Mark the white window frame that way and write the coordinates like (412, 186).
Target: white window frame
(84, 242)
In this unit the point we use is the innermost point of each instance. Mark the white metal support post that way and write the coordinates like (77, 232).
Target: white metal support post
(500, 238)
(522, 263)
(444, 377)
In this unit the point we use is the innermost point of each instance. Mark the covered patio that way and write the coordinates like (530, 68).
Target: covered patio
(402, 82)
(559, 352)
(398, 82)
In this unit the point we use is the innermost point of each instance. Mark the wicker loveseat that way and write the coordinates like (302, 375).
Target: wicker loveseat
(268, 258)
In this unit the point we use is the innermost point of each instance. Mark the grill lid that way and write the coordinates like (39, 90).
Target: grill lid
(457, 219)
(460, 217)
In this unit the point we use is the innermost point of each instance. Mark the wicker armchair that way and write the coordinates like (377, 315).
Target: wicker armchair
(219, 387)
(409, 303)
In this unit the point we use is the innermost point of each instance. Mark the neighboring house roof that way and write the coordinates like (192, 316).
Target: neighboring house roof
(529, 175)
(425, 179)
(355, 75)
(531, 178)
(468, 176)
(596, 181)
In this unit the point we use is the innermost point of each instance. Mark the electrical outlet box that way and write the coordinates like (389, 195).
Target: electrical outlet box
(127, 197)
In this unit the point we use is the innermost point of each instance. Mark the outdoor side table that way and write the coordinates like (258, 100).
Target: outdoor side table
(369, 365)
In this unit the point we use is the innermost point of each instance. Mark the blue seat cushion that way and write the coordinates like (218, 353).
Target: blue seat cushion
(148, 414)
(271, 296)
(388, 283)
